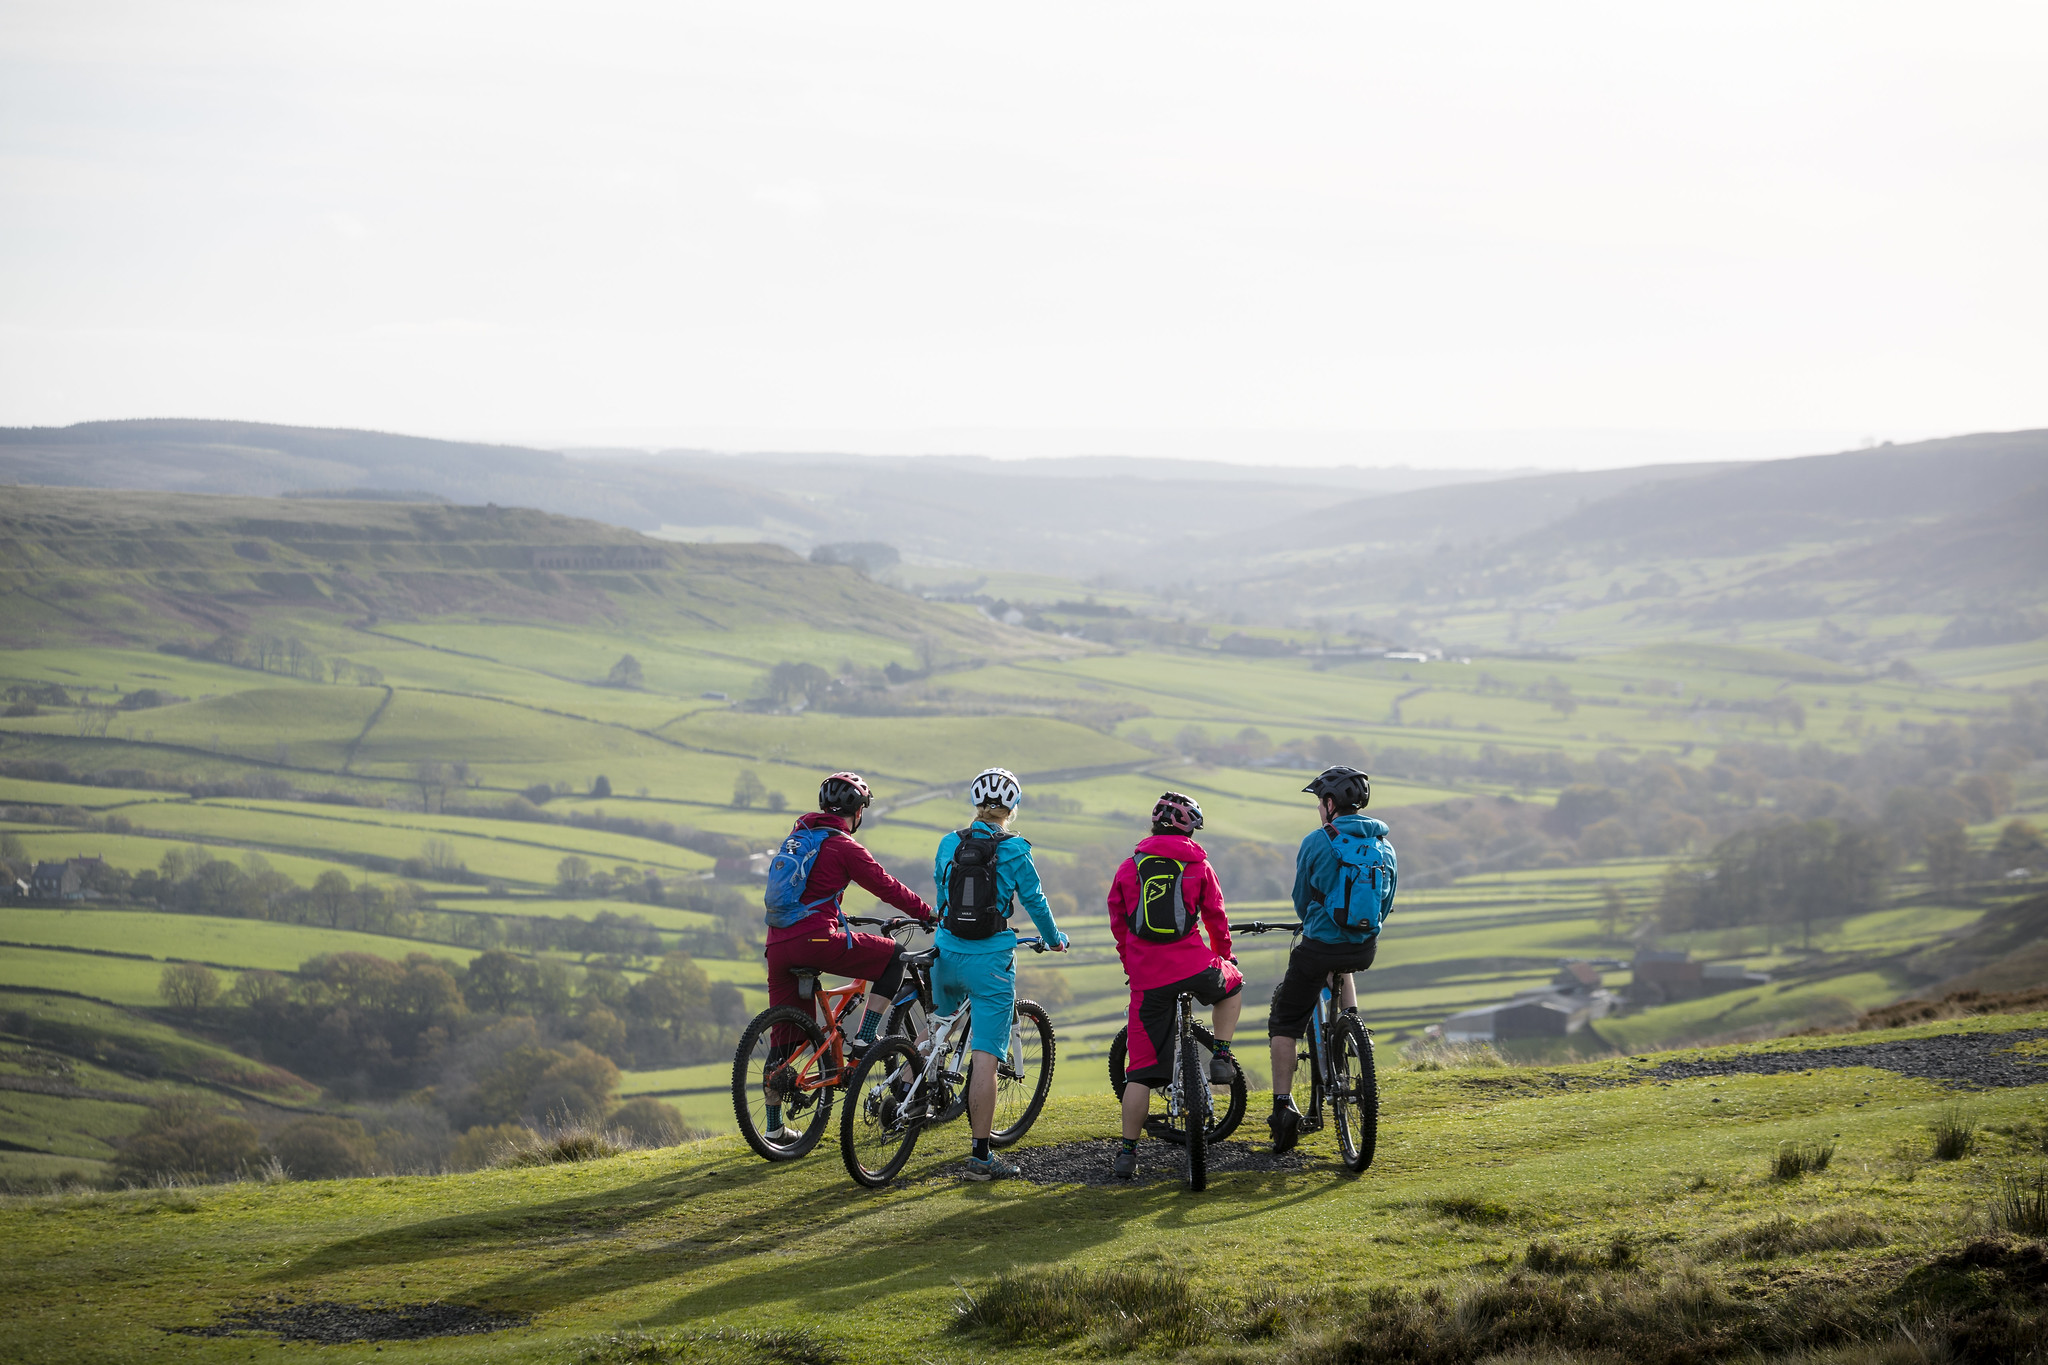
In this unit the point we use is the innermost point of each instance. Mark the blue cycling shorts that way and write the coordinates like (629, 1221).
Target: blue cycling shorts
(990, 981)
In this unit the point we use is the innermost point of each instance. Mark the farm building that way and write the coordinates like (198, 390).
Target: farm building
(1662, 977)
(65, 881)
(1543, 1012)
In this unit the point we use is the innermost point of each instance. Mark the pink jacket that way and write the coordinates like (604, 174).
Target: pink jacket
(1161, 964)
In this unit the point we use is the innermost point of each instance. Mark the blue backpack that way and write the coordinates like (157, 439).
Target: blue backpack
(1365, 877)
(789, 872)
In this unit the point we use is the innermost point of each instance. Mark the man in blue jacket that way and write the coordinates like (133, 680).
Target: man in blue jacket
(1325, 946)
(977, 951)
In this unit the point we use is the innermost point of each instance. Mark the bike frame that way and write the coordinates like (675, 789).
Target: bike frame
(1177, 1103)
(824, 1069)
(952, 1033)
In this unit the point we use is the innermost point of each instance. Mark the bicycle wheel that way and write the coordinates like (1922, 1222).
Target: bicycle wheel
(1194, 1089)
(876, 1129)
(1354, 1093)
(1308, 1082)
(805, 1110)
(1023, 1082)
(1223, 1121)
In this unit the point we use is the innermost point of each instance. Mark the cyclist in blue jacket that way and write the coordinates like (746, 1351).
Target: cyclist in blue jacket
(983, 968)
(1325, 945)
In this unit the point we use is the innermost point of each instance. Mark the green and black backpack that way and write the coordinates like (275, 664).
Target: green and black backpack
(1163, 913)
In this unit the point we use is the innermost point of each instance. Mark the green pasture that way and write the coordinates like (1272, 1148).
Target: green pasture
(933, 749)
(134, 852)
(603, 848)
(235, 943)
(1472, 1167)
(26, 792)
(301, 726)
(660, 916)
(106, 670)
(119, 981)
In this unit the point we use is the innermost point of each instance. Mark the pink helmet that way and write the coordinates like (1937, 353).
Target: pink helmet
(843, 794)
(1176, 813)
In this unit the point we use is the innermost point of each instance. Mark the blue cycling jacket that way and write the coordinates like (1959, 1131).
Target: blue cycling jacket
(1317, 875)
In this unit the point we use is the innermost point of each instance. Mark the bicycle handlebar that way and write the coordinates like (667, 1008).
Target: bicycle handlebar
(1036, 945)
(889, 926)
(1258, 926)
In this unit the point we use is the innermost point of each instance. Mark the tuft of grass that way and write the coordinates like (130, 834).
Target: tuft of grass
(717, 1346)
(1469, 1209)
(1428, 1054)
(563, 1142)
(1797, 1158)
(1119, 1307)
(1955, 1134)
(1787, 1236)
(1550, 1258)
(2022, 1204)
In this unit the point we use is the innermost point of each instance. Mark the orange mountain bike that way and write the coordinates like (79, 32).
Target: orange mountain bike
(793, 1060)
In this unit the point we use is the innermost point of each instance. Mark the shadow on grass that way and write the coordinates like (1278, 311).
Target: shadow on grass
(989, 1228)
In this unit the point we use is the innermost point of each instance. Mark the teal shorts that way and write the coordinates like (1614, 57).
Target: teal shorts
(990, 981)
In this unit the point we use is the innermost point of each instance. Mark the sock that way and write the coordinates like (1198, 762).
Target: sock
(774, 1117)
(1222, 1047)
(981, 1149)
(1130, 1144)
(869, 1025)
(1280, 1101)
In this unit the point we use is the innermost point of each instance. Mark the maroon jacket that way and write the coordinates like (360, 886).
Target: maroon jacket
(840, 861)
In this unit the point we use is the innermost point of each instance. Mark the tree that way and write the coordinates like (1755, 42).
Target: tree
(496, 981)
(649, 1122)
(2020, 845)
(1947, 851)
(625, 673)
(1613, 905)
(432, 780)
(777, 802)
(789, 683)
(324, 1148)
(748, 789)
(572, 875)
(601, 786)
(188, 986)
(331, 897)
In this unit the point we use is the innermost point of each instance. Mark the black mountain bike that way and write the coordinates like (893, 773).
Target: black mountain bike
(1226, 1111)
(1339, 1069)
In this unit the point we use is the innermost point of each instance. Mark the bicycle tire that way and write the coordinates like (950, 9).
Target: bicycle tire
(749, 1070)
(1034, 1032)
(1194, 1089)
(1224, 1121)
(1355, 1097)
(874, 1140)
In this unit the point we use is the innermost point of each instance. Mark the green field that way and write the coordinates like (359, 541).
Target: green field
(1473, 1167)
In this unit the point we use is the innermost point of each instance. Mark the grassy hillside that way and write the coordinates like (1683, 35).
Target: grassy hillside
(1563, 1211)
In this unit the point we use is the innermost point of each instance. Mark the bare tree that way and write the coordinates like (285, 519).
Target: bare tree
(188, 986)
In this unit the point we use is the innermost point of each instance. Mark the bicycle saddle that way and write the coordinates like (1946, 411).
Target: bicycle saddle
(921, 959)
(806, 973)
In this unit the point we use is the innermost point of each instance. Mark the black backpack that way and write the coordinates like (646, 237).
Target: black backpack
(971, 909)
(1162, 914)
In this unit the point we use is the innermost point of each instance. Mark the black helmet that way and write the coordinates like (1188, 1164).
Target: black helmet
(1348, 787)
(843, 794)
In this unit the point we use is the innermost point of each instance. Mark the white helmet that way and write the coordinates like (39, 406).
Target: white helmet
(996, 787)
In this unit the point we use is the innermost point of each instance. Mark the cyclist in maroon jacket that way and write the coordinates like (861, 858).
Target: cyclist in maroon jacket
(823, 939)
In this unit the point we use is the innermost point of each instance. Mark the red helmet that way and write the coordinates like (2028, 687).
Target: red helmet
(1176, 813)
(843, 794)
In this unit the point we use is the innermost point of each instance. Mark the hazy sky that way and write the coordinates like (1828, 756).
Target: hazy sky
(1605, 231)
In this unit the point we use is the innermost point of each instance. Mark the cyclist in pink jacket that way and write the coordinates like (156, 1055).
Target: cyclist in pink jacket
(1162, 894)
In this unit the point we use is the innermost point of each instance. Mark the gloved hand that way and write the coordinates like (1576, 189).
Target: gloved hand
(1061, 946)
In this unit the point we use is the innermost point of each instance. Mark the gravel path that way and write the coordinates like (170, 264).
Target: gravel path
(1087, 1162)
(1975, 1060)
(332, 1324)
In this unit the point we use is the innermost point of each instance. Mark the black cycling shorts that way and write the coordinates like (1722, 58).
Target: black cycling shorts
(1294, 999)
(1154, 1019)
